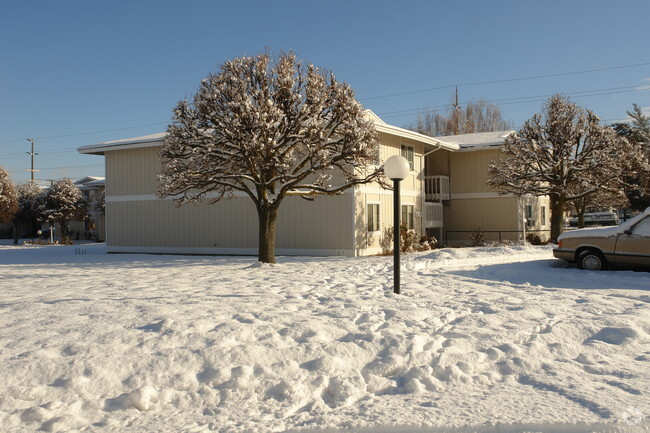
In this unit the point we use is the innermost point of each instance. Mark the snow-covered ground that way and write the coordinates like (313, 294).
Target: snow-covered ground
(495, 339)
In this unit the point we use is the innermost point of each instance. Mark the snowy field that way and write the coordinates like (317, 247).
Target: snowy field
(503, 339)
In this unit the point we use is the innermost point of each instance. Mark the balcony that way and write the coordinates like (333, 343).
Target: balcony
(432, 215)
(436, 188)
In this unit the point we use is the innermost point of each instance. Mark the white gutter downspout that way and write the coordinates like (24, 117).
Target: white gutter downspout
(423, 198)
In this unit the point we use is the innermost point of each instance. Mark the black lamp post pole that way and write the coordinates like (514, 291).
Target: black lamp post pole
(396, 235)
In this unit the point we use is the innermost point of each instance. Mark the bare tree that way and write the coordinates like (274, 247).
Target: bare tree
(269, 130)
(602, 199)
(478, 116)
(563, 153)
(8, 199)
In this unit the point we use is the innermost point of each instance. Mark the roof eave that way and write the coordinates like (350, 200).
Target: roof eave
(102, 148)
(412, 135)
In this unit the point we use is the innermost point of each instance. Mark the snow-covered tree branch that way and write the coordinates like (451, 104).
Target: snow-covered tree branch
(8, 198)
(62, 203)
(270, 129)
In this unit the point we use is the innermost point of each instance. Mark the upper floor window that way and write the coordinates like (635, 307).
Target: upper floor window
(407, 152)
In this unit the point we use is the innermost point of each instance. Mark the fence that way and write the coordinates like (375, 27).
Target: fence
(492, 235)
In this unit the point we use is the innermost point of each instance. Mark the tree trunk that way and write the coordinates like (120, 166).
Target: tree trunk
(581, 207)
(63, 225)
(16, 227)
(266, 248)
(557, 216)
(581, 218)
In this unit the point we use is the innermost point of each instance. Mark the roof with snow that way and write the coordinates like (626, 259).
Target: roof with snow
(130, 143)
(157, 139)
(90, 182)
(477, 140)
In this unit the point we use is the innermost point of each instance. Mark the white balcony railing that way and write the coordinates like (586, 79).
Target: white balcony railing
(432, 215)
(436, 188)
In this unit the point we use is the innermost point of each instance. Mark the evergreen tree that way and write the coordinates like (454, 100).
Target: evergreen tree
(638, 131)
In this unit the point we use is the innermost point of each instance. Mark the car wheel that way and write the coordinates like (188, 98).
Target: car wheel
(592, 260)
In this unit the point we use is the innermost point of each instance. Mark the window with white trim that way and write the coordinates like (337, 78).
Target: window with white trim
(408, 153)
(529, 216)
(373, 217)
(408, 216)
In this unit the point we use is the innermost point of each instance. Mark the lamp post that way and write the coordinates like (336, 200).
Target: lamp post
(396, 169)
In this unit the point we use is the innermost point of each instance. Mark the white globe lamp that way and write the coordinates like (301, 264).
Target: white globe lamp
(396, 167)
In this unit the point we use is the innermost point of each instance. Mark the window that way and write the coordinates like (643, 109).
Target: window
(373, 217)
(407, 216)
(529, 216)
(407, 152)
(543, 222)
(642, 228)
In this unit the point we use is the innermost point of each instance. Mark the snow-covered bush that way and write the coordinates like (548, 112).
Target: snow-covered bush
(533, 239)
(478, 238)
(409, 241)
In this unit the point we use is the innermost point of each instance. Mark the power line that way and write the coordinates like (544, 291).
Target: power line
(520, 100)
(635, 87)
(475, 83)
(86, 133)
(61, 168)
(505, 80)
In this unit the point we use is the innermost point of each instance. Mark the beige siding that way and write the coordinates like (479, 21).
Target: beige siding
(487, 214)
(391, 145)
(132, 171)
(437, 163)
(469, 171)
(325, 223)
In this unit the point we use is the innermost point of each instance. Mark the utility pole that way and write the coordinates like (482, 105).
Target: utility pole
(32, 155)
(457, 107)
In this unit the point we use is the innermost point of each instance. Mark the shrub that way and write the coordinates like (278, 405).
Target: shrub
(65, 241)
(386, 241)
(534, 239)
(430, 241)
(409, 241)
(478, 239)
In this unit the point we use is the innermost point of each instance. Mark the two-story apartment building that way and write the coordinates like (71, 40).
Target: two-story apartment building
(445, 195)
(348, 224)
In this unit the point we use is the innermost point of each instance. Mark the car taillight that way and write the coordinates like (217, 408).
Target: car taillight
(559, 244)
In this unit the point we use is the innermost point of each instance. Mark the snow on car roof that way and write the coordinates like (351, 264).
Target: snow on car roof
(605, 232)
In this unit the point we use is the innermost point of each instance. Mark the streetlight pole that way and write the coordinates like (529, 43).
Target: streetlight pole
(396, 168)
(396, 236)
